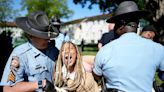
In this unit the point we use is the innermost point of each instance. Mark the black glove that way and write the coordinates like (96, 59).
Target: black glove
(49, 87)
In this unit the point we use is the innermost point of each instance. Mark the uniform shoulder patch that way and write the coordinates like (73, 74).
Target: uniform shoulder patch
(11, 77)
(15, 64)
(21, 49)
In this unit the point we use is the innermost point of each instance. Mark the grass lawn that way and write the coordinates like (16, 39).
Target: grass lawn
(158, 81)
(89, 53)
(90, 49)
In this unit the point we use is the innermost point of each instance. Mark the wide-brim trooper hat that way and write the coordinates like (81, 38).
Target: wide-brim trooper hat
(55, 21)
(127, 10)
(37, 24)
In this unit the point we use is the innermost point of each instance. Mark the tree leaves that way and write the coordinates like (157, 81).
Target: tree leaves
(57, 8)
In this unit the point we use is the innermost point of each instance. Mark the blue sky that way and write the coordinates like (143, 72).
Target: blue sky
(79, 12)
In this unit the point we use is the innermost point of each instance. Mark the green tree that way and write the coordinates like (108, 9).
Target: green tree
(57, 8)
(106, 5)
(7, 12)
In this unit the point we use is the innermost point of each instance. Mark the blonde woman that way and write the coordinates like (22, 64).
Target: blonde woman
(69, 72)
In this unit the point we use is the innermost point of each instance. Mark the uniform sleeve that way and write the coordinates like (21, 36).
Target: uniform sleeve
(97, 67)
(98, 64)
(13, 70)
(103, 56)
(4, 80)
(161, 66)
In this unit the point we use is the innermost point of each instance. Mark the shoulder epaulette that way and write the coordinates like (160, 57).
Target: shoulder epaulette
(22, 48)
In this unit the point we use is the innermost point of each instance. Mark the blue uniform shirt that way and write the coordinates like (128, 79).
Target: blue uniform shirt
(60, 39)
(33, 65)
(129, 63)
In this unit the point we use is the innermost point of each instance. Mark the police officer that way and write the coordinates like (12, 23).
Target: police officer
(62, 37)
(107, 37)
(30, 65)
(150, 32)
(129, 63)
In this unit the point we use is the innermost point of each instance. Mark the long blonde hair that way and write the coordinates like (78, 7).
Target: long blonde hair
(78, 69)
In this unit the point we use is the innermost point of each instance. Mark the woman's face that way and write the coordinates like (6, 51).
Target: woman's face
(69, 54)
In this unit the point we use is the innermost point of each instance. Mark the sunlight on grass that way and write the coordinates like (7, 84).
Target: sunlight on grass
(158, 81)
(89, 53)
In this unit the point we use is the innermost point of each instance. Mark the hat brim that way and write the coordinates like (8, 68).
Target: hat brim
(23, 24)
(130, 16)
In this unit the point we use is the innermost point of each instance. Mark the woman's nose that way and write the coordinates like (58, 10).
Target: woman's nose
(67, 55)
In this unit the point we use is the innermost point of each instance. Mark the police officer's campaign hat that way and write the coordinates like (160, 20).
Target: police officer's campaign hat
(37, 24)
(127, 10)
(55, 21)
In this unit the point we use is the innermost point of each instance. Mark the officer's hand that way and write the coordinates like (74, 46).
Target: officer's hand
(48, 86)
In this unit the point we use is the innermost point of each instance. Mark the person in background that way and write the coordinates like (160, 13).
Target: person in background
(62, 36)
(149, 32)
(70, 74)
(129, 63)
(82, 45)
(107, 37)
(30, 65)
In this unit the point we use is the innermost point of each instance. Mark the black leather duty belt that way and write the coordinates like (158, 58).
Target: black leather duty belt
(112, 90)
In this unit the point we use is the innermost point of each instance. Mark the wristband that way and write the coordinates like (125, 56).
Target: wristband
(40, 84)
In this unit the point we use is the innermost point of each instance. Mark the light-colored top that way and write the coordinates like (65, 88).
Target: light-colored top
(60, 39)
(88, 84)
(129, 63)
(32, 65)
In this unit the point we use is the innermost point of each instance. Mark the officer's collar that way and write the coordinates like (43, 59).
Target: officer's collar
(35, 50)
(129, 34)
